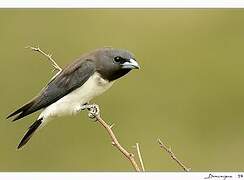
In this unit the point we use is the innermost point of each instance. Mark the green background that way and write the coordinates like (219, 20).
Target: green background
(189, 91)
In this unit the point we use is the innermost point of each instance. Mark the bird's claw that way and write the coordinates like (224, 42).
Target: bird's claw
(93, 109)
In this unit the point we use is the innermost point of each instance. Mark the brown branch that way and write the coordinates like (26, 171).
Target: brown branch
(140, 157)
(172, 155)
(94, 112)
(49, 56)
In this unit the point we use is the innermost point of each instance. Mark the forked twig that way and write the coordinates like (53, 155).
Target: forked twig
(172, 155)
(49, 56)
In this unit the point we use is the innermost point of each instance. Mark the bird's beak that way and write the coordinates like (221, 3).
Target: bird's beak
(131, 64)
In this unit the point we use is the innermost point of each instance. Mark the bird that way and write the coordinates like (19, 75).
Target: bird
(74, 86)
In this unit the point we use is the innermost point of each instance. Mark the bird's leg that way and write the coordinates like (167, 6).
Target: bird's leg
(93, 109)
(83, 106)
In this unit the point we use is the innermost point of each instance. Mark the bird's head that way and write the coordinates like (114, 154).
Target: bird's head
(115, 63)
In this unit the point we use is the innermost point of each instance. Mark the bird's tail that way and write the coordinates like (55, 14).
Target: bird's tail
(30, 132)
(23, 111)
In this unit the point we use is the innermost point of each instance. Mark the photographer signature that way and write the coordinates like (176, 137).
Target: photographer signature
(222, 177)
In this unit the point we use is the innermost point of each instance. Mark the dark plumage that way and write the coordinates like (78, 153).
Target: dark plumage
(72, 77)
(30, 132)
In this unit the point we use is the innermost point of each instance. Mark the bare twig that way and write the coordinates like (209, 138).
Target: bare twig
(140, 157)
(172, 155)
(94, 112)
(49, 56)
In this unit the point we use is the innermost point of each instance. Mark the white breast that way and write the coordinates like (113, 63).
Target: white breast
(68, 105)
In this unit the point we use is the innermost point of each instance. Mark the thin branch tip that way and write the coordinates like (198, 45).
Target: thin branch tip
(172, 155)
(49, 56)
(140, 157)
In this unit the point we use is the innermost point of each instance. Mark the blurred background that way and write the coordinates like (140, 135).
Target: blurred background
(189, 91)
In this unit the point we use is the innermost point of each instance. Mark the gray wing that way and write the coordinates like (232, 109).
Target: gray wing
(69, 79)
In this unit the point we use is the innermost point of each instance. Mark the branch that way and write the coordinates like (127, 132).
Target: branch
(172, 155)
(140, 157)
(94, 112)
(49, 56)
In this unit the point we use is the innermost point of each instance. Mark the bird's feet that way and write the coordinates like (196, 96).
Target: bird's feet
(93, 109)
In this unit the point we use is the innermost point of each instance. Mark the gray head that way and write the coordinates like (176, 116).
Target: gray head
(114, 63)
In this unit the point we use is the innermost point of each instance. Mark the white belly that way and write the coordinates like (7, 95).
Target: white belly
(69, 104)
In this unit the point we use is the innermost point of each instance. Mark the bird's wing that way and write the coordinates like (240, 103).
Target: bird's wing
(70, 78)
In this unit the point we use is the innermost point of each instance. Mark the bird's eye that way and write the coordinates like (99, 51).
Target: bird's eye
(117, 59)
